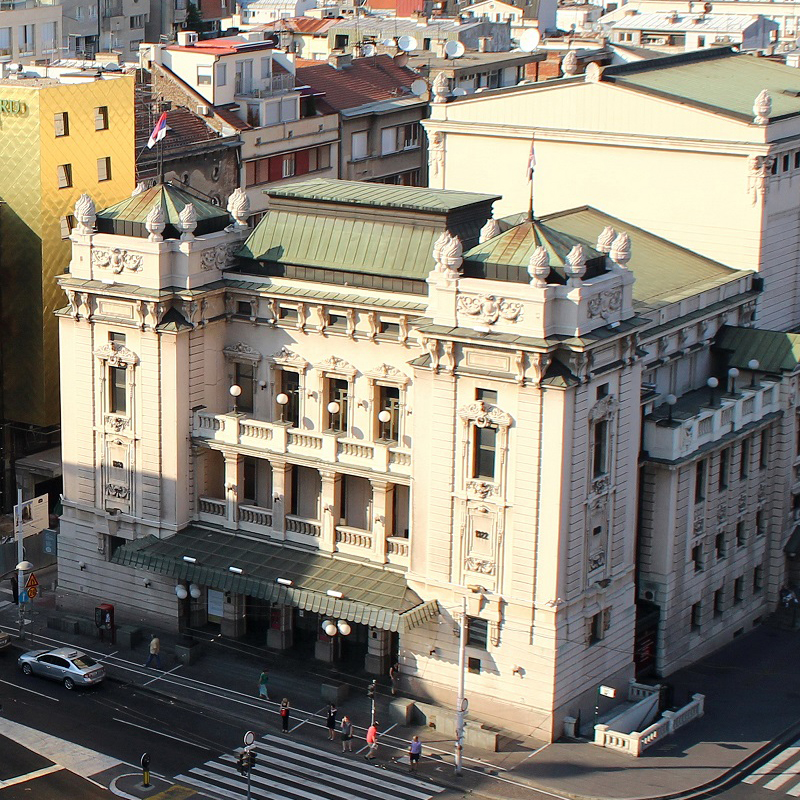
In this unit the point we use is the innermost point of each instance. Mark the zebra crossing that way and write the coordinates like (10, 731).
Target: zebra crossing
(781, 773)
(290, 770)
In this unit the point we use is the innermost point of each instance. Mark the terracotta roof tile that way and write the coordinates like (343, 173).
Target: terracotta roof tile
(302, 24)
(183, 128)
(367, 80)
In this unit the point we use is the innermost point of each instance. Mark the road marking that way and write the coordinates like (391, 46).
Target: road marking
(17, 686)
(160, 733)
(308, 719)
(159, 677)
(783, 778)
(779, 759)
(30, 776)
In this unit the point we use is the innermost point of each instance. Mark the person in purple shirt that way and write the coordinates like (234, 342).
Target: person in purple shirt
(414, 752)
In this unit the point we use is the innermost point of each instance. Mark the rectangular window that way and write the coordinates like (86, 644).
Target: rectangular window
(243, 82)
(222, 74)
(67, 224)
(477, 632)
(336, 404)
(786, 163)
(117, 337)
(474, 665)
(135, 45)
(266, 68)
(738, 591)
(245, 377)
(720, 546)
(483, 454)
(388, 403)
(358, 145)
(117, 386)
(389, 328)
(487, 395)
(697, 557)
(138, 21)
(389, 141)
(599, 448)
(408, 136)
(254, 114)
(719, 599)
(288, 313)
(797, 159)
(596, 628)
(288, 166)
(724, 468)
(741, 535)
(696, 618)
(104, 169)
(289, 385)
(744, 463)
(64, 172)
(763, 455)
(700, 481)
(26, 39)
(5, 42)
(319, 158)
(204, 75)
(250, 480)
(49, 35)
(761, 523)
(337, 321)
(341, 41)
(758, 578)
(101, 118)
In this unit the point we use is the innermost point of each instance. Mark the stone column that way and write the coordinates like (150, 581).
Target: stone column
(331, 509)
(280, 635)
(233, 487)
(382, 498)
(233, 620)
(377, 659)
(281, 495)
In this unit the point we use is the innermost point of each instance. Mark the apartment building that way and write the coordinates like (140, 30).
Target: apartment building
(30, 30)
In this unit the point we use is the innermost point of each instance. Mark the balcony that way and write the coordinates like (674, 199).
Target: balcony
(698, 419)
(276, 438)
(267, 87)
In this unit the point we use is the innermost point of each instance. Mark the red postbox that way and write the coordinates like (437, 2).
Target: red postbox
(104, 620)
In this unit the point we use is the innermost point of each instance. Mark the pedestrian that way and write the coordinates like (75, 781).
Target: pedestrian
(394, 676)
(263, 681)
(155, 652)
(331, 721)
(414, 752)
(372, 741)
(285, 715)
(347, 734)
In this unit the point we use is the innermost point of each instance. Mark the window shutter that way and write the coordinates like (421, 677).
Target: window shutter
(301, 162)
(388, 140)
(276, 168)
(101, 118)
(249, 173)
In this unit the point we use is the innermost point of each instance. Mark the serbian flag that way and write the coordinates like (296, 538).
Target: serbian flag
(159, 132)
(531, 161)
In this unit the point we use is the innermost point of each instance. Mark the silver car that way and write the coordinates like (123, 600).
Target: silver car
(65, 664)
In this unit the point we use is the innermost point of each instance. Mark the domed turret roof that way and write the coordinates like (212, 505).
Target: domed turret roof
(127, 217)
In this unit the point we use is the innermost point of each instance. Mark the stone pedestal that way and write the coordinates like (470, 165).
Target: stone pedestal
(279, 640)
(377, 658)
(325, 651)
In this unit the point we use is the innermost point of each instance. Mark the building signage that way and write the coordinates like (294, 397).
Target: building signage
(13, 107)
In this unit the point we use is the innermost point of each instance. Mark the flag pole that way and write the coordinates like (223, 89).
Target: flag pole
(531, 167)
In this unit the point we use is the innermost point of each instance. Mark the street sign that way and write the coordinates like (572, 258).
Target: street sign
(32, 592)
(607, 691)
(31, 516)
(23, 596)
(249, 738)
(32, 582)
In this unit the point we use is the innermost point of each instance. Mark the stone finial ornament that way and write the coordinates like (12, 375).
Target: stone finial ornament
(188, 222)
(762, 108)
(448, 254)
(539, 267)
(569, 64)
(140, 187)
(489, 230)
(594, 73)
(239, 207)
(155, 222)
(85, 214)
(605, 239)
(621, 249)
(441, 88)
(576, 265)
(438, 245)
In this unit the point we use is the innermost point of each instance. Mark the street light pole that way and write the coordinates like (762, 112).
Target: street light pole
(20, 561)
(461, 701)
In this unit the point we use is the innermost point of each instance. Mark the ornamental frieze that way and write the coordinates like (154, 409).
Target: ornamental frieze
(482, 566)
(116, 260)
(488, 309)
(605, 303)
(482, 414)
(117, 355)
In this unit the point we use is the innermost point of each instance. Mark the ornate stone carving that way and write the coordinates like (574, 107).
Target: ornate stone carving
(139, 188)
(155, 222)
(699, 521)
(539, 362)
(601, 485)
(662, 346)
(605, 303)
(116, 355)
(482, 414)
(759, 170)
(404, 329)
(239, 207)
(762, 106)
(605, 239)
(569, 64)
(188, 222)
(579, 364)
(594, 72)
(350, 313)
(742, 503)
(482, 566)
(85, 214)
(747, 313)
(386, 372)
(436, 153)
(604, 408)
(322, 319)
(116, 260)
(288, 358)
(722, 514)
(481, 489)
(488, 308)
(597, 560)
(218, 257)
(117, 423)
(621, 249)
(441, 88)
(519, 367)
(448, 255)
(241, 352)
(336, 364)
(432, 346)
(576, 265)
(539, 267)
(117, 490)
(489, 230)
(372, 325)
(448, 359)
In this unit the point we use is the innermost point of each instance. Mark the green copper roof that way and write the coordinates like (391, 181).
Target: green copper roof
(342, 243)
(127, 217)
(382, 195)
(721, 80)
(665, 272)
(775, 351)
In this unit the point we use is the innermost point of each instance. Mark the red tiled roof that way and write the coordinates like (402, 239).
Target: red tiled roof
(236, 122)
(301, 24)
(368, 80)
(183, 128)
(224, 46)
(381, 5)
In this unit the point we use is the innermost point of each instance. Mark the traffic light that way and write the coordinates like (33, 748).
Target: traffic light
(253, 756)
(241, 762)
(371, 689)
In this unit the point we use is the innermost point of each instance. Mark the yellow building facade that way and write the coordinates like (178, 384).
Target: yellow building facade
(59, 138)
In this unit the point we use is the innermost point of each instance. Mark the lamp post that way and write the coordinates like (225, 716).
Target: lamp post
(753, 364)
(22, 568)
(670, 400)
(712, 384)
(235, 392)
(733, 374)
(282, 400)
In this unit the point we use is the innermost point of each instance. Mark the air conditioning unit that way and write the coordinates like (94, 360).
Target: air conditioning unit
(650, 592)
(203, 111)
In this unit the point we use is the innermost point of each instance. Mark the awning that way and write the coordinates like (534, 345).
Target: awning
(370, 595)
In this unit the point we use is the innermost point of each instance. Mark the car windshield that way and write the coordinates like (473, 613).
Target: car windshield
(82, 662)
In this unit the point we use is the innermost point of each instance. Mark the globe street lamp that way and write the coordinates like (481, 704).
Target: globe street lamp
(282, 400)
(235, 392)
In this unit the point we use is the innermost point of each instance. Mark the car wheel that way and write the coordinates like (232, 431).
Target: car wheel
(27, 669)
(69, 683)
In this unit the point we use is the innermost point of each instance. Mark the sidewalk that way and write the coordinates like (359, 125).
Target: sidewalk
(752, 698)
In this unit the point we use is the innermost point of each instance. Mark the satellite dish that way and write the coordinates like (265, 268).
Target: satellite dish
(530, 40)
(454, 49)
(369, 50)
(401, 59)
(459, 92)
(388, 42)
(407, 43)
(419, 87)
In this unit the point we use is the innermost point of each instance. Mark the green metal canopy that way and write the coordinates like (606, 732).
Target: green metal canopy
(371, 596)
(775, 351)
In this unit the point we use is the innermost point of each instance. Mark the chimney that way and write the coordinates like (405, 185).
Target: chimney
(483, 44)
(339, 60)
(438, 48)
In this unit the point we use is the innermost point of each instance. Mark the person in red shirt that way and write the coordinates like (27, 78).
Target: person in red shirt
(372, 741)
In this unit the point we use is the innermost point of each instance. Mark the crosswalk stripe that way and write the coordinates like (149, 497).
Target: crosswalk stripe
(784, 777)
(209, 787)
(281, 746)
(795, 791)
(779, 759)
